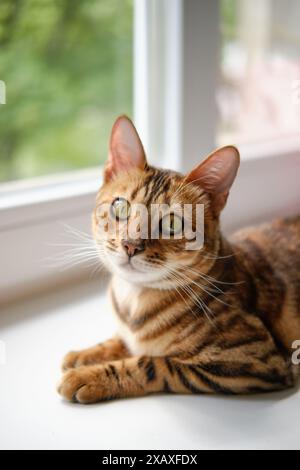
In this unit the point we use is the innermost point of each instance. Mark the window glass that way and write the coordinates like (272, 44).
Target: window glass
(259, 93)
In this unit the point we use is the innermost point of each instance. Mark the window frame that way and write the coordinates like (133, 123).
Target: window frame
(167, 96)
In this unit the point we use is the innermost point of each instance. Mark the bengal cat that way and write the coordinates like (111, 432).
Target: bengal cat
(221, 319)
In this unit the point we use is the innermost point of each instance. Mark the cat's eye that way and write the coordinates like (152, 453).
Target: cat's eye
(171, 224)
(120, 209)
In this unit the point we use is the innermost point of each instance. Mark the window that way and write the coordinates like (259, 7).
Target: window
(68, 73)
(260, 71)
(67, 67)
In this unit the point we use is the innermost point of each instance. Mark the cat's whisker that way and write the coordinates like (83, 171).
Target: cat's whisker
(79, 250)
(78, 234)
(76, 253)
(191, 291)
(186, 287)
(206, 290)
(226, 283)
(215, 258)
(74, 261)
(196, 299)
(182, 286)
(215, 289)
(212, 279)
(68, 263)
(82, 251)
(97, 269)
(79, 245)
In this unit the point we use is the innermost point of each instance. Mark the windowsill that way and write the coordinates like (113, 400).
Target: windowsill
(38, 333)
(269, 149)
(21, 200)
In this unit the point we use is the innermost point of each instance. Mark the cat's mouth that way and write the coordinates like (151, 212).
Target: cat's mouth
(133, 269)
(128, 265)
(136, 271)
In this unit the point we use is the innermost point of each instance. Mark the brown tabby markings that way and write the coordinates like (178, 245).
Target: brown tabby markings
(229, 326)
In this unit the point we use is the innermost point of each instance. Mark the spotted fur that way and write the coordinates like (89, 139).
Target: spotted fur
(223, 320)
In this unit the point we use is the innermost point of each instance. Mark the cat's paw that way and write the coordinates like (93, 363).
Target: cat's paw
(71, 360)
(86, 357)
(85, 385)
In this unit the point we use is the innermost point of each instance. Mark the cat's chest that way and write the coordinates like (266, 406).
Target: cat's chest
(128, 308)
(126, 297)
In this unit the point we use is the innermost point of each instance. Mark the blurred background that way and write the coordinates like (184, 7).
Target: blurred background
(67, 65)
(259, 66)
(68, 69)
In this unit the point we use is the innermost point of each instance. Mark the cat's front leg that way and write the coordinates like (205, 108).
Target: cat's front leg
(132, 377)
(109, 350)
(123, 378)
(139, 376)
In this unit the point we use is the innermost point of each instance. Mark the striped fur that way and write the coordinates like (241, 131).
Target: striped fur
(222, 321)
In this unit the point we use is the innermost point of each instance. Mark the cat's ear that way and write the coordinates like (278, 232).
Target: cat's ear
(125, 149)
(216, 174)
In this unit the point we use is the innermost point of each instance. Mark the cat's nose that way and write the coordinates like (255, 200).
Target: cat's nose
(132, 247)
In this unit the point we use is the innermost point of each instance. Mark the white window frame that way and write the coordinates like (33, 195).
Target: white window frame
(172, 85)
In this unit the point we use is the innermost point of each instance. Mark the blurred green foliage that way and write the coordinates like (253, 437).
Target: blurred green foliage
(67, 65)
(229, 10)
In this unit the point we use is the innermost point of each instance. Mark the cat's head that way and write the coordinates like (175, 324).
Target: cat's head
(129, 182)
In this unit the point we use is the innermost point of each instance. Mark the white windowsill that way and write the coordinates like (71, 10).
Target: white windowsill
(38, 333)
(44, 197)
(270, 148)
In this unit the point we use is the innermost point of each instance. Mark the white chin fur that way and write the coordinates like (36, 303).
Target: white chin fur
(130, 274)
(135, 272)
(152, 279)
